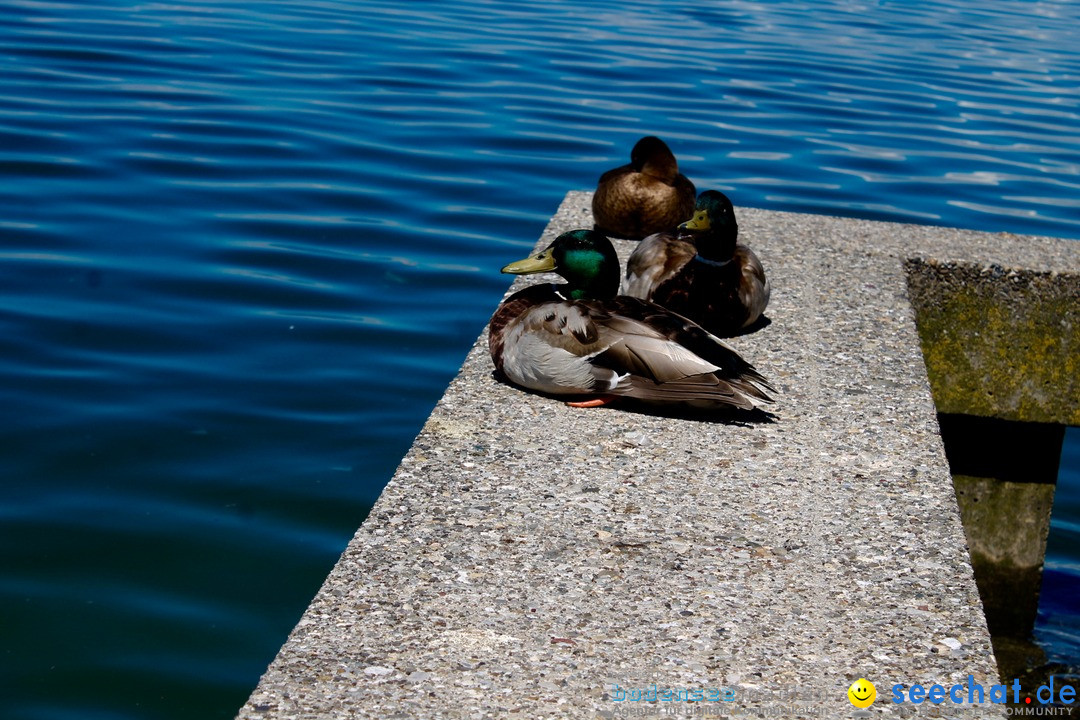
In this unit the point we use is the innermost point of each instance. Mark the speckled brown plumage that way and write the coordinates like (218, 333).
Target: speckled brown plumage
(705, 275)
(646, 196)
(712, 295)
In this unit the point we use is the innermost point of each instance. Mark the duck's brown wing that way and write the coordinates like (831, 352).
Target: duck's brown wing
(663, 358)
(662, 205)
(545, 343)
(723, 298)
(754, 289)
(613, 203)
(657, 259)
(686, 199)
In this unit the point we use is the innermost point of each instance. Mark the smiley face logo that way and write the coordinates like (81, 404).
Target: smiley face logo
(862, 693)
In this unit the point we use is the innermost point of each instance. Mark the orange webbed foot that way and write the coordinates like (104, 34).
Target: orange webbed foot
(592, 402)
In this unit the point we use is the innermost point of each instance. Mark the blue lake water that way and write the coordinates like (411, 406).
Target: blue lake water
(245, 245)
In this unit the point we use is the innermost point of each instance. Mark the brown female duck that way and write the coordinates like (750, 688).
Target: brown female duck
(644, 197)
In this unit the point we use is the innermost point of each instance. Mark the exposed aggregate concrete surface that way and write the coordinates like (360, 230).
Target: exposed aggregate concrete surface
(533, 560)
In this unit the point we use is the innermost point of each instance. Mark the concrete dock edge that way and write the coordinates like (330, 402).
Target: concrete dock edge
(531, 560)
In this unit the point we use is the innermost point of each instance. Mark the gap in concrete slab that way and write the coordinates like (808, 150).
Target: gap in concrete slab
(1002, 353)
(1004, 473)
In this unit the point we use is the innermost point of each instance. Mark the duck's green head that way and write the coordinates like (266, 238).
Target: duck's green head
(713, 225)
(585, 258)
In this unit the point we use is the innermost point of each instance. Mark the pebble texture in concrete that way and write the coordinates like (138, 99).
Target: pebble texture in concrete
(529, 558)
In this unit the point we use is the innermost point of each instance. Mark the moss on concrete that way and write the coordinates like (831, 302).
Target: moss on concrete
(999, 342)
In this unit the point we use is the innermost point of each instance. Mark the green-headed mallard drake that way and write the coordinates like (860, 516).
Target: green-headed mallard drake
(700, 270)
(644, 197)
(580, 339)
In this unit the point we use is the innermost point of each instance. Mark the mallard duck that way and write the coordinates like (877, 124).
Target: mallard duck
(580, 339)
(646, 196)
(700, 270)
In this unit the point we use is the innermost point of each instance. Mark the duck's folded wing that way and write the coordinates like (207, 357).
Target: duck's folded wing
(655, 260)
(699, 391)
(569, 325)
(635, 347)
(550, 348)
(661, 322)
(667, 358)
(754, 289)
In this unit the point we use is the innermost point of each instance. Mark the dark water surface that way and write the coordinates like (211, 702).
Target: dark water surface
(245, 245)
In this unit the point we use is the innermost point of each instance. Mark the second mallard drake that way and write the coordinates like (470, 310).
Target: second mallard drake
(701, 271)
(644, 197)
(580, 340)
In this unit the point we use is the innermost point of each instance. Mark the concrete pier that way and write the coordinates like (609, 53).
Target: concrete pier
(531, 560)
